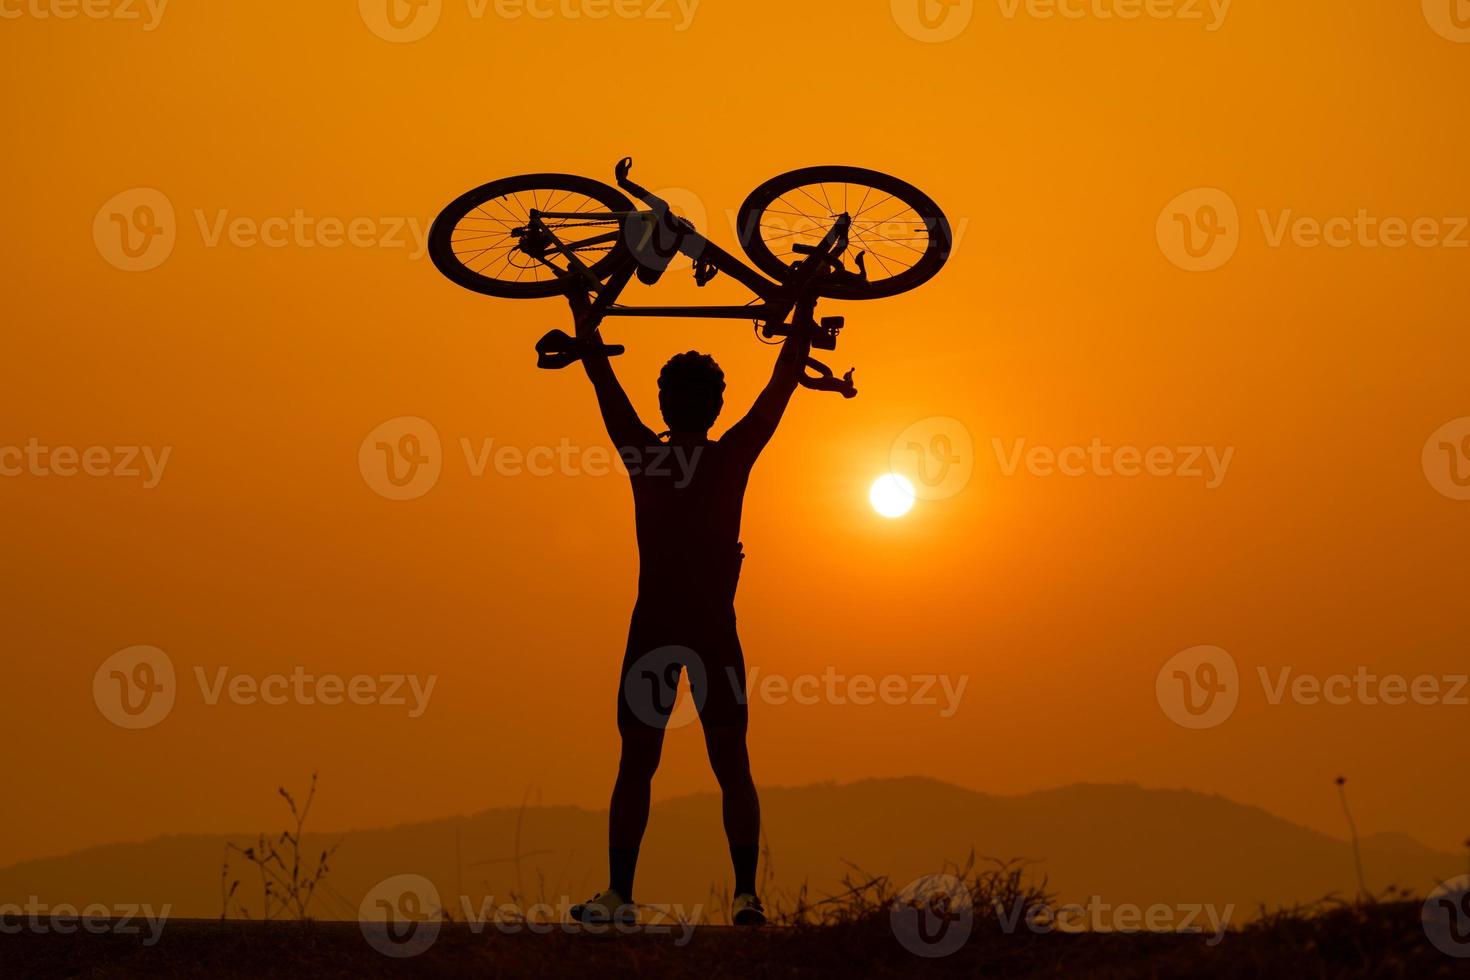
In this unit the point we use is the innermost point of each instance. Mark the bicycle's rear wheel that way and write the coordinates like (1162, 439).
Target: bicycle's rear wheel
(906, 237)
(479, 241)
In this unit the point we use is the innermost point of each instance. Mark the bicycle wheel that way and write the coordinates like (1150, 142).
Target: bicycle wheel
(481, 241)
(905, 235)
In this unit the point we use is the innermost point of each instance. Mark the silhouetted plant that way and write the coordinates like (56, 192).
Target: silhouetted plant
(288, 884)
(1363, 892)
(998, 892)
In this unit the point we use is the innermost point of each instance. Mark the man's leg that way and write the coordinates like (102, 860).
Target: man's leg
(725, 716)
(742, 809)
(646, 694)
(628, 813)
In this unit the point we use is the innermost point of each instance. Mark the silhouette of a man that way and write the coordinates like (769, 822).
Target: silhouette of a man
(688, 528)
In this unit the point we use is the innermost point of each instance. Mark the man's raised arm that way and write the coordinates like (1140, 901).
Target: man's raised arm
(623, 425)
(759, 424)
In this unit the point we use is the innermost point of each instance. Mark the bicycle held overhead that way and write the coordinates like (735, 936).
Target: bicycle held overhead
(819, 232)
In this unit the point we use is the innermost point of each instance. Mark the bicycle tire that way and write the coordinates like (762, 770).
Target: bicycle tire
(453, 265)
(935, 254)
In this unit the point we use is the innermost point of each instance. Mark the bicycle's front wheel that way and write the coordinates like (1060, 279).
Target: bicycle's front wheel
(484, 240)
(905, 236)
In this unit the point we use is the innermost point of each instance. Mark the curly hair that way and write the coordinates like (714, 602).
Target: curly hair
(691, 392)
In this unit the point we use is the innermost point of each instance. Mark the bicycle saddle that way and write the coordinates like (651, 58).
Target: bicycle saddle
(558, 349)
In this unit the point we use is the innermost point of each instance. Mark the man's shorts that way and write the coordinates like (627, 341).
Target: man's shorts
(661, 646)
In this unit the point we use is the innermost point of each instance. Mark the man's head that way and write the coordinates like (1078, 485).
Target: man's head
(691, 392)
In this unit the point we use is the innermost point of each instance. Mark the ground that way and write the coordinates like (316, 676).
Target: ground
(1378, 940)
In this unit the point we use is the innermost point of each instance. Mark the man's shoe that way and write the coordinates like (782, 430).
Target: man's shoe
(749, 911)
(604, 908)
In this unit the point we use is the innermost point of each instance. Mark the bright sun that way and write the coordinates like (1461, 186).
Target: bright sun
(892, 495)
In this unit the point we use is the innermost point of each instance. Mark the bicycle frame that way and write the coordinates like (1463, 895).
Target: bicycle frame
(795, 298)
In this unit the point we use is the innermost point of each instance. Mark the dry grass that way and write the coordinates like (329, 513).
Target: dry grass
(849, 934)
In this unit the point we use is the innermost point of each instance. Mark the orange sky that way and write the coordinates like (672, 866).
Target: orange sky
(1053, 143)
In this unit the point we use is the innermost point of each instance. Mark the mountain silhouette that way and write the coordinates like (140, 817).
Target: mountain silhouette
(1123, 843)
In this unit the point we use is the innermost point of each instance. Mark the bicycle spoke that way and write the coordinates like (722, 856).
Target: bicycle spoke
(476, 253)
(814, 200)
(886, 197)
(823, 189)
(863, 236)
(882, 263)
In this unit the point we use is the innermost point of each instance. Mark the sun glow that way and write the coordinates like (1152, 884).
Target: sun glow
(892, 495)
